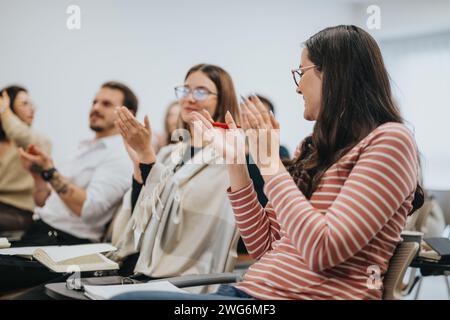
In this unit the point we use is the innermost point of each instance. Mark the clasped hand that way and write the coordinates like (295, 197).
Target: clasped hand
(259, 128)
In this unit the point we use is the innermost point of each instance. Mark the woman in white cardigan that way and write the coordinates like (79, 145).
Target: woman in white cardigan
(182, 222)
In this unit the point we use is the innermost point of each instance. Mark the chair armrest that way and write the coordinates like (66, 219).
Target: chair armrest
(203, 279)
(60, 291)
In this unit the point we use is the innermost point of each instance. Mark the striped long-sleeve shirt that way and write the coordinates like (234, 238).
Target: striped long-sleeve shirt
(336, 244)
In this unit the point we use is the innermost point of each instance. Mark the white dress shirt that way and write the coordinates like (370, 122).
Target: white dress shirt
(103, 169)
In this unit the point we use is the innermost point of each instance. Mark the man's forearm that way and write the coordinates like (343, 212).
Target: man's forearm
(72, 195)
(41, 192)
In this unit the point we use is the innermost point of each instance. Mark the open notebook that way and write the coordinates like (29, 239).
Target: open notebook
(436, 248)
(108, 291)
(4, 243)
(62, 259)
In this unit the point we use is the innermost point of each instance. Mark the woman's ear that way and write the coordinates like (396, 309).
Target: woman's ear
(319, 73)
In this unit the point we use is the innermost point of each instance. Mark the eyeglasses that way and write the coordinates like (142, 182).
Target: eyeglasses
(298, 73)
(198, 94)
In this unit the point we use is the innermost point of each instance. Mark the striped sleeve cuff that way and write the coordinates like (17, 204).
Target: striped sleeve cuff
(240, 194)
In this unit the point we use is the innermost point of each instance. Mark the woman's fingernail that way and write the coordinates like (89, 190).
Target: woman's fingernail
(271, 113)
(242, 99)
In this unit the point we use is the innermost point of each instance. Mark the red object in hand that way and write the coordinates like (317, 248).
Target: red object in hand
(32, 150)
(222, 125)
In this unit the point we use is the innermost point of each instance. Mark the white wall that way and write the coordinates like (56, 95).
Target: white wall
(405, 18)
(150, 45)
(415, 41)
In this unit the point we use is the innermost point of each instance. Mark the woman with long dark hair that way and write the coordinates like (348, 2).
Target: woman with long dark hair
(336, 211)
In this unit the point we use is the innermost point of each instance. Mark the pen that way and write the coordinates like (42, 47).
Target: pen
(222, 125)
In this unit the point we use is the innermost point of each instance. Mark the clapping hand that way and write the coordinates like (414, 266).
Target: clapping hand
(230, 144)
(35, 160)
(137, 137)
(262, 130)
(4, 102)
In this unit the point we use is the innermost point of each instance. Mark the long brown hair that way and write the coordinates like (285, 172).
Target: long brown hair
(226, 94)
(356, 99)
(12, 92)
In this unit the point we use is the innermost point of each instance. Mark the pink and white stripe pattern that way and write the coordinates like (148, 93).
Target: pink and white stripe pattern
(325, 247)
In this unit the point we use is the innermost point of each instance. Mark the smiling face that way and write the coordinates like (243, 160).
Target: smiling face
(310, 86)
(197, 80)
(24, 108)
(102, 115)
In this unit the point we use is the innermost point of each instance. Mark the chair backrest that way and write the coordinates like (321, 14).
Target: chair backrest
(429, 219)
(121, 215)
(108, 234)
(399, 263)
(421, 215)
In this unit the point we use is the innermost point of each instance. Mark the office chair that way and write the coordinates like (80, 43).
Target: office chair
(394, 288)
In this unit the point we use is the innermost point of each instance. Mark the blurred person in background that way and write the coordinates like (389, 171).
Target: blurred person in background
(17, 113)
(172, 121)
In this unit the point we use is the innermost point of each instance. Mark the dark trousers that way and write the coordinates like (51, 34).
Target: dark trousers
(14, 219)
(20, 273)
(41, 234)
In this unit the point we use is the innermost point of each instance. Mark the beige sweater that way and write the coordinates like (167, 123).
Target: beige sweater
(16, 184)
(182, 223)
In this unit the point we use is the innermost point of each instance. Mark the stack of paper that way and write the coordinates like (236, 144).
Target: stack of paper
(107, 292)
(4, 243)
